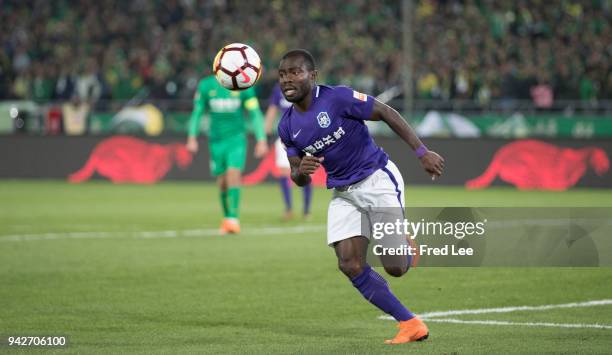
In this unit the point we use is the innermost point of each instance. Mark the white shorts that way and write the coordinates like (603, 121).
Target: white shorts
(281, 155)
(384, 188)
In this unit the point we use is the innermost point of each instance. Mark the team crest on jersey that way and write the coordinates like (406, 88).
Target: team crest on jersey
(323, 119)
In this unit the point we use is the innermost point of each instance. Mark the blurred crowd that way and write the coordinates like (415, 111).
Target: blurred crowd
(472, 49)
(539, 50)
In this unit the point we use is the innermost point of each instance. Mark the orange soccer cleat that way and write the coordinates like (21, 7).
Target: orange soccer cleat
(229, 226)
(411, 330)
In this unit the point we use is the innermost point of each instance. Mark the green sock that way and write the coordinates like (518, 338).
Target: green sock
(223, 197)
(233, 197)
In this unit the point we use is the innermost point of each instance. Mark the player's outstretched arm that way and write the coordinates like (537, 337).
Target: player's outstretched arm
(302, 168)
(431, 161)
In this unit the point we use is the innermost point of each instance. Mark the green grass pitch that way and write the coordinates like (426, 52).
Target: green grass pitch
(138, 269)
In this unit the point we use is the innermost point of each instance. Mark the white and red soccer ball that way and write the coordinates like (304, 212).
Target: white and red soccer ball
(237, 66)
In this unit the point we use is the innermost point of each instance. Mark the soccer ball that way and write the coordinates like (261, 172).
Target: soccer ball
(237, 66)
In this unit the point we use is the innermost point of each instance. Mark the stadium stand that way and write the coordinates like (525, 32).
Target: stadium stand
(480, 51)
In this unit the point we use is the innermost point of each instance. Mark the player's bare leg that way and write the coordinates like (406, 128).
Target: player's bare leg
(351, 255)
(395, 265)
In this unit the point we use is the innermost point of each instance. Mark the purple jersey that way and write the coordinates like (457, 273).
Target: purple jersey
(277, 99)
(334, 128)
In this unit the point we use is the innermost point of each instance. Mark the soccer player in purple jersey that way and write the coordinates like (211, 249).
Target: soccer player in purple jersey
(325, 126)
(278, 104)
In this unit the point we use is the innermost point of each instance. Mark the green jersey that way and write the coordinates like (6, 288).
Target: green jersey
(226, 109)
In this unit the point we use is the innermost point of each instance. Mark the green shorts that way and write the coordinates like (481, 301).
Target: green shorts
(229, 153)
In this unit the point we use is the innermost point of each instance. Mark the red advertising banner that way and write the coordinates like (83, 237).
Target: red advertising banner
(474, 163)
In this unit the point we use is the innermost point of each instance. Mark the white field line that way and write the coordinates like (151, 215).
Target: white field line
(437, 316)
(516, 308)
(545, 307)
(160, 234)
(527, 324)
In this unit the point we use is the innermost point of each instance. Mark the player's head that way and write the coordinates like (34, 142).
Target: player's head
(297, 74)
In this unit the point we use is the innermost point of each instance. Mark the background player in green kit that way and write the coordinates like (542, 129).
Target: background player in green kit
(227, 140)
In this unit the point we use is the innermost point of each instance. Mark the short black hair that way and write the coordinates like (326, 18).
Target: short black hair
(308, 58)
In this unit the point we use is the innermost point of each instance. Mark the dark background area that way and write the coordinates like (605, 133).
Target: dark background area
(57, 157)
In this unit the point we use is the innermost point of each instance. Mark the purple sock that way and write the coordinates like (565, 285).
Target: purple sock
(286, 188)
(307, 198)
(375, 289)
